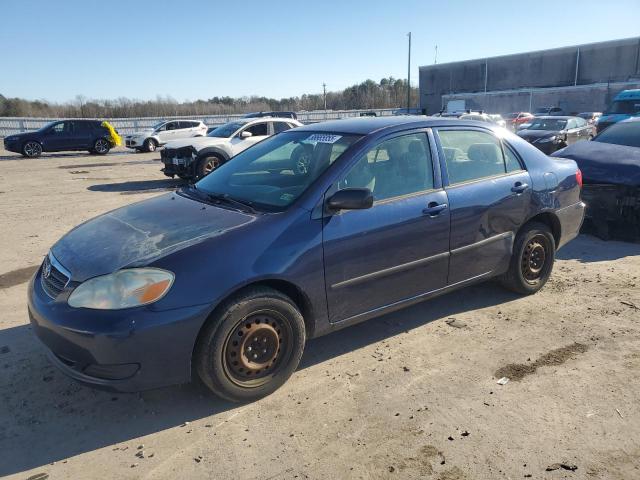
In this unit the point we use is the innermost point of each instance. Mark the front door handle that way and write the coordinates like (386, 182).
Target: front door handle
(519, 187)
(434, 209)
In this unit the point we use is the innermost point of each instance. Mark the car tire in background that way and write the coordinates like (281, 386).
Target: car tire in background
(101, 146)
(532, 259)
(150, 145)
(251, 345)
(31, 149)
(207, 164)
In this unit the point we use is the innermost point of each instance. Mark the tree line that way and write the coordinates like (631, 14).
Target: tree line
(387, 93)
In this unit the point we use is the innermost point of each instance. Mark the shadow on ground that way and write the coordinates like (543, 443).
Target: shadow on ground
(80, 154)
(138, 186)
(587, 248)
(46, 417)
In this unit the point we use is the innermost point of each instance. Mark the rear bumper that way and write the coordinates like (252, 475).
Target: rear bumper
(571, 219)
(125, 350)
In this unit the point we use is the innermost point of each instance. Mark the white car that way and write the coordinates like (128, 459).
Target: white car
(151, 138)
(193, 158)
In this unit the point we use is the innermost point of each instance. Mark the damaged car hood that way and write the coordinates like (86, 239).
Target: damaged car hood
(605, 162)
(196, 142)
(138, 234)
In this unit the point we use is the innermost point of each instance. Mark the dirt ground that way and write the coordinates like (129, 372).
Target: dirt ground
(408, 395)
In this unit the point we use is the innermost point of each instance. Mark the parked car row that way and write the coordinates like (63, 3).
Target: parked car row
(551, 133)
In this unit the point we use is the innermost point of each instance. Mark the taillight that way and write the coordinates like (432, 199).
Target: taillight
(579, 177)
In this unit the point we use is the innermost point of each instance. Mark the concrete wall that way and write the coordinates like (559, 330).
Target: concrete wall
(604, 63)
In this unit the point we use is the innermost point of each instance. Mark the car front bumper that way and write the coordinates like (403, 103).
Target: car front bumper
(120, 350)
(179, 162)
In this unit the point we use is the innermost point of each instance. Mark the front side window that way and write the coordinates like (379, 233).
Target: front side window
(258, 130)
(471, 155)
(59, 128)
(399, 166)
(273, 173)
(172, 125)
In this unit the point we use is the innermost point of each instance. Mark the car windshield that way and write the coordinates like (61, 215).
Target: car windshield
(511, 115)
(158, 125)
(622, 133)
(547, 124)
(627, 107)
(226, 130)
(275, 172)
(50, 124)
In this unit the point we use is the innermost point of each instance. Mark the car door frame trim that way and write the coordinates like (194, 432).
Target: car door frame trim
(389, 271)
(481, 243)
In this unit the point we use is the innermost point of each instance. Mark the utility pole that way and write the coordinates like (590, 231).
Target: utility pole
(324, 89)
(409, 75)
(435, 58)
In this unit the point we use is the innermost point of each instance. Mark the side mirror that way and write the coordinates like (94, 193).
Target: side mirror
(245, 134)
(351, 199)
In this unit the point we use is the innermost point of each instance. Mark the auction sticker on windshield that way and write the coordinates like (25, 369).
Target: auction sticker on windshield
(323, 138)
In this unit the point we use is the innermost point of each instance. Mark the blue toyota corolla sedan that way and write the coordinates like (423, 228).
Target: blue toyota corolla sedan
(307, 232)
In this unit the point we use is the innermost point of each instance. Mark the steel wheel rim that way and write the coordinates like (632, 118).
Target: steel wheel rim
(101, 146)
(211, 164)
(256, 347)
(32, 149)
(534, 259)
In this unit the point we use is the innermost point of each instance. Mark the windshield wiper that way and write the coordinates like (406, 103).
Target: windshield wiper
(228, 199)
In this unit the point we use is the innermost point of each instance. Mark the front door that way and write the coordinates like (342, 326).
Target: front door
(59, 137)
(259, 131)
(489, 195)
(396, 250)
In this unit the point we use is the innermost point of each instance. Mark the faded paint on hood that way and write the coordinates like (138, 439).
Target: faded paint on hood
(138, 234)
(196, 142)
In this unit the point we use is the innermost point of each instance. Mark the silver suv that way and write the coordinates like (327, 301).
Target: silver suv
(151, 138)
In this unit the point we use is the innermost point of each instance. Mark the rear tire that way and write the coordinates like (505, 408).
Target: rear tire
(251, 346)
(532, 259)
(150, 145)
(32, 149)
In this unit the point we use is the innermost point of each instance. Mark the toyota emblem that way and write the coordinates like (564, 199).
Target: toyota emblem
(46, 270)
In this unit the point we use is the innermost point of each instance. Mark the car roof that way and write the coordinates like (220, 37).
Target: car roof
(368, 125)
(555, 117)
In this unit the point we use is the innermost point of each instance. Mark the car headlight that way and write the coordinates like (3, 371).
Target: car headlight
(122, 289)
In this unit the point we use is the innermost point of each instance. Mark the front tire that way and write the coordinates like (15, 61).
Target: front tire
(32, 149)
(207, 164)
(532, 259)
(251, 346)
(101, 147)
(150, 145)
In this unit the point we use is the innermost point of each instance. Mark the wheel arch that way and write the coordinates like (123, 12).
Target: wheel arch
(551, 220)
(214, 150)
(295, 293)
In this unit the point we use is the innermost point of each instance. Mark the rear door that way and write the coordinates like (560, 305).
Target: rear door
(489, 194)
(84, 133)
(397, 250)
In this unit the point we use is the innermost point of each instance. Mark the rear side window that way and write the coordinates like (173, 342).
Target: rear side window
(511, 160)
(280, 127)
(399, 166)
(471, 155)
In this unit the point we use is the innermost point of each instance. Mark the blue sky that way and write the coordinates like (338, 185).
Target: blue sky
(200, 49)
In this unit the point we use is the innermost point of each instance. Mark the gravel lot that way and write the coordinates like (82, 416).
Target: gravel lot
(408, 395)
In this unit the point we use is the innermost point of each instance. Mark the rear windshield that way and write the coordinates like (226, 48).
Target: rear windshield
(623, 133)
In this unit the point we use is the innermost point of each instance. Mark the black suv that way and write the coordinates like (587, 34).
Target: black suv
(63, 135)
(272, 114)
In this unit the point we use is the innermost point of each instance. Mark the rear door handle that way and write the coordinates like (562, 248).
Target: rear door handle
(519, 187)
(434, 209)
